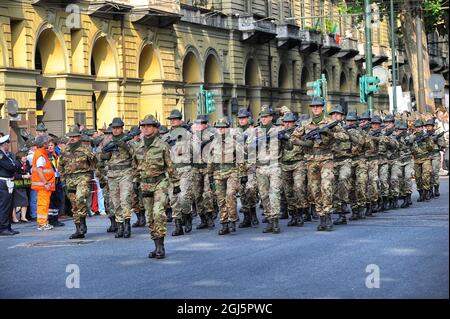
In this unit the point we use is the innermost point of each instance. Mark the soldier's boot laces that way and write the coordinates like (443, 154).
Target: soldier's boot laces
(203, 224)
(276, 226)
(369, 211)
(293, 221)
(299, 217)
(436, 191)
(342, 220)
(119, 232)
(178, 228)
(83, 226)
(77, 234)
(127, 229)
(187, 218)
(421, 197)
(427, 195)
(138, 220)
(232, 226)
(269, 227)
(113, 227)
(210, 221)
(169, 214)
(323, 223)
(225, 229)
(328, 223)
(246, 222)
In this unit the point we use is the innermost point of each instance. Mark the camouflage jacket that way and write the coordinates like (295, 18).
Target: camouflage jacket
(181, 152)
(226, 154)
(120, 162)
(342, 147)
(152, 162)
(292, 152)
(439, 143)
(371, 146)
(263, 146)
(201, 143)
(77, 159)
(422, 150)
(358, 141)
(404, 146)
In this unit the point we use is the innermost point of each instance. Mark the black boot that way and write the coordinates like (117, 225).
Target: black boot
(408, 197)
(355, 214)
(169, 215)
(323, 223)
(225, 229)
(78, 234)
(313, 212)
(127, 228)
(375, 207)
(405, 202)
(436, 191)
(232, 226)
(210, 220)
(83, 226)
(369, 210)
(160, 250)
(187, 218)
(152, 254)
(203, 223)
(308, 217)
(284, 214)
(194, 210)
(178, 228)
(299, 217)
(143, 220)
(395, 202)
(431, 192)
(421, 197)
(269, 227)
(264, 220)
(246, 222)
(385, 205)
(138, 220)
(113, 227)
(362, 213)
(276, 226)
(342, 220)
(253, 217)
(427, 195)
(119, 232)
(345, 209)
(293, 221)
(328, 223)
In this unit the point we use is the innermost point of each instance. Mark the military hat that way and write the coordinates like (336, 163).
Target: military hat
(279, 121)
(375, 119)
(30, 143)
(223, 122)
(41, 127)
(135, 130)
(89, 131)
(365, 116)
(351, 116)
(117, 122)
(389, 118)
(41, 140)
(317, 101)
(418, 123)
(243, 112)
(163, 129)
(337, 109)
(85, 138)
(4, 139)
(73, 131)
(429, 122)
(289, 117)
(401, 125)
(175, 114)
(108, 130)
(201, 119)
(149, 120)
(266, 110)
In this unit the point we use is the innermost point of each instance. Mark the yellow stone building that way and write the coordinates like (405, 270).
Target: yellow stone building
(81, 61)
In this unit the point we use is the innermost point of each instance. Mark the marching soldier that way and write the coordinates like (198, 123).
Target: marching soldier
(103, 169)
(152, 160)
(136, 198)
(392, 154)
(422, 149)
(439, 145)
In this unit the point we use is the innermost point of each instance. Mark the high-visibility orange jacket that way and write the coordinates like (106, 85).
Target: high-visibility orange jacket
(49, 172)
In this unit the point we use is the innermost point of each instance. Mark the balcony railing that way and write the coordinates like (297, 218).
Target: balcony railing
(349, 48)
(309, 41)
(329, 45)
(256, 31)
(157, 14)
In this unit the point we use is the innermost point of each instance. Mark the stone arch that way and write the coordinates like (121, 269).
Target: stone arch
(50, 49)
(252, 75)
(343, 83)
(149, 63)
(283, 77)
(103, 58)
(191, 71)
(411, 84)
(305, 78)
(212, 68)
(405, 84)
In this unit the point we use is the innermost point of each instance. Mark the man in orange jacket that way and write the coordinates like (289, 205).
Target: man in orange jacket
(42, 181)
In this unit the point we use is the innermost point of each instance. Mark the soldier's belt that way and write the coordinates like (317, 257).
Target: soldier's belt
(289, 162)
(196, 165)
(357, 158)
(258, 164)
(372, 158)
(225, 166)
(341, 158)
(321, 152)
(180, 165)
(119, 167)
(153, 179)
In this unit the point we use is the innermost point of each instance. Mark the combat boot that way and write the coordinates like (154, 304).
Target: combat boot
(421, 197)
(436, 191)
(276, 226)
(113, 227)
(307, 215)
(385, 206)
(293, 221)
(395, 202)
(253, 218)
(355, 214)
(187, 218)
(269, 227)
(127, 228)
(408, 197)
(78, 234)
(138, 220)
(431, 193)
(299, 217)
(369, 210)
(427, 195)
(345, 209)
(83, 226)
(210, 220)
(313, 212)
(246, 222)
(375, 207)
(232, 226)
(160, 250)
(194, 210)
(323, 223)
(405, 202)
(169, 214)
(143, 220)
(119, 232)
(152, 254)
(328, 223)
(203, 223)
(362, 213)
(225, 229)
(342, 220)
(178, 228)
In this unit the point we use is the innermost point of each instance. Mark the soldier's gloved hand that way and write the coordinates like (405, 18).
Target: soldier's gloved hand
(244, 180)
(325, 131)
(176, 190)
(307, 143)
(282, 136)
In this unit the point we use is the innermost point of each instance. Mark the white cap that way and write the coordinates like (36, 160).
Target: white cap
(4, 139)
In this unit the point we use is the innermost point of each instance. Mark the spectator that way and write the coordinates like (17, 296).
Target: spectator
(22, 184)
(57, 198)
(33, 195)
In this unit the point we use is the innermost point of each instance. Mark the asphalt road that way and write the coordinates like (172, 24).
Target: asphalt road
(408, 248)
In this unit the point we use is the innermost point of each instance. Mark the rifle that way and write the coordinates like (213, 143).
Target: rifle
(285, 135)
(421, 138)
(112, 146)
(375, 133)
(315, 133)
(348, 127)
(389, 132)
(187, 126)
(439, 136)
(204, 143)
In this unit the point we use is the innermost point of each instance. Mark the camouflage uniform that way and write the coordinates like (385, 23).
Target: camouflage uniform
(137, 204)
(392, 155)
(372, 157)
(439, 144)
(422, 164)
(405, 166)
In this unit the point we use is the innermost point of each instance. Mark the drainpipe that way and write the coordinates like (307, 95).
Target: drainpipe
(124, 61)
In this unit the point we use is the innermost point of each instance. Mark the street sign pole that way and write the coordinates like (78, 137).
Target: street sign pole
(368, 31)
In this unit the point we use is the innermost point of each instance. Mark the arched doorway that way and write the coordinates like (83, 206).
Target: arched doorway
(305, 78)
(192, 79)
(151, 99)
(343, 84)
(253, 84)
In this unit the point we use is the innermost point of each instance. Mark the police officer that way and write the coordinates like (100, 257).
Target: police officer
(41, 130)
(8, 168)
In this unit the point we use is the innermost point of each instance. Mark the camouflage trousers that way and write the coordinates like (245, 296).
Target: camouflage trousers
(294, 185)
(108, 201)
(436, 166)
(227, 185)
(383, 175)
(137, 205)
(155, 199)
(372, 181)
(422, 172)
(268, 178)
(121, 189)
(342, 175)
(202, 192)
(405, 167)
(77, 189)
(394, 182)
(248, 194)
(358, 183)
(181, 202)
(321, 182)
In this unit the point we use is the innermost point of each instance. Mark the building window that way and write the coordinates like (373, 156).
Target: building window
(80, 118)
